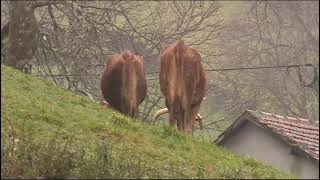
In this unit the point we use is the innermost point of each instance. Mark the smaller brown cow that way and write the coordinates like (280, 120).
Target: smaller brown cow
(123, 83)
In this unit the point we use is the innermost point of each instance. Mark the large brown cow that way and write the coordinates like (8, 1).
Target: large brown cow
(123, 83)
(183, 84)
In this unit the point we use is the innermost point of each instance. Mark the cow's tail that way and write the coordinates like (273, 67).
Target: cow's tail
(177, 114)
(179, 69)
(179, 48)
(177, 109)
(129, 84)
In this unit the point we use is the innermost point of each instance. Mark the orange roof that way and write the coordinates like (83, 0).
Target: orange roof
(298, 132)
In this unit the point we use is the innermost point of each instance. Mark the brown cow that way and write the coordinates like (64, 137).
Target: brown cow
(123, 83)
(183, 83)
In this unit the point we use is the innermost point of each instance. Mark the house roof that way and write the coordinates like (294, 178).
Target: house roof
(300, 133)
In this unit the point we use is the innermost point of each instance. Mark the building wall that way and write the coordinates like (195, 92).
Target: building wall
(256, 142)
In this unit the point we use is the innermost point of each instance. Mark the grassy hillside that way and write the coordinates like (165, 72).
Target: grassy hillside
(47, 131)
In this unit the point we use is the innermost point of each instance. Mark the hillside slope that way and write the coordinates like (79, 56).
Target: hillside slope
(47, 131)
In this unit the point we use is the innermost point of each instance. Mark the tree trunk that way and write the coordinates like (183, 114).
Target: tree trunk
(23, 34)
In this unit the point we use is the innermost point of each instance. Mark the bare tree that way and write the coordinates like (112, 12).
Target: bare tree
(77, 36)
(22, 30)
(274, 33)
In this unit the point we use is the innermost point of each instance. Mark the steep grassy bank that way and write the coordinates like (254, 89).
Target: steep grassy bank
(47, 131)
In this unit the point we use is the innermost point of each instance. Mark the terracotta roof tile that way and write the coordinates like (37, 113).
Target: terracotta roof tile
(301, 132)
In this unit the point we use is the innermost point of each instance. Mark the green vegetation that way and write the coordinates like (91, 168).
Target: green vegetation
(49, 132)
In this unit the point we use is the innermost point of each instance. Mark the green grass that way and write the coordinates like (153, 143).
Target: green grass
(49, 132)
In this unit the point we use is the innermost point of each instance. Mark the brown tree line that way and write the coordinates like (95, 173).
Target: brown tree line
(72, 39)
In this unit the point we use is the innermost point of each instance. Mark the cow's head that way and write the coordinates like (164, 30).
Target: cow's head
(163, 111)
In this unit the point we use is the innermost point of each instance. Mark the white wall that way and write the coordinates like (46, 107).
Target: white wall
(256, 142)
